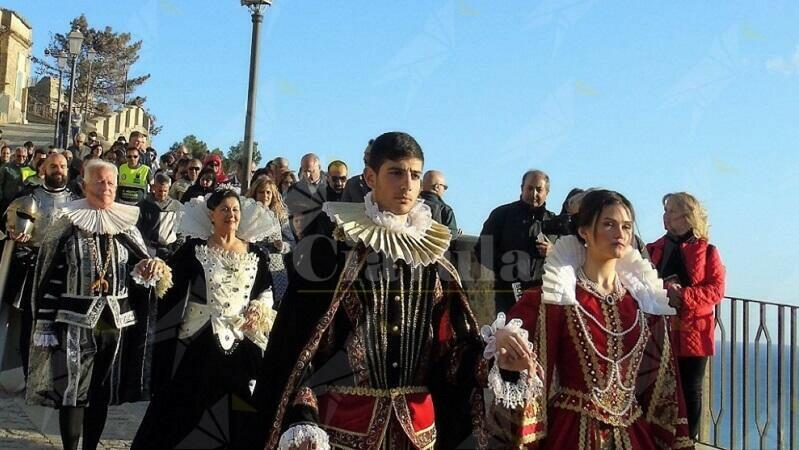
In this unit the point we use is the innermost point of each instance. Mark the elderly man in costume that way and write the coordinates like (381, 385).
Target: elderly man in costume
(92, 324)
(27, 220)
(370, 345)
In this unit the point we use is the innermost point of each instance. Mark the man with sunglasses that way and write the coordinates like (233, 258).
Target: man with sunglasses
(135, 178)
(11, 180)
(186, 172)
(434, 185)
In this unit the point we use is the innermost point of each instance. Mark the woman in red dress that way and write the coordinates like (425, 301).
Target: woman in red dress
(600, 346)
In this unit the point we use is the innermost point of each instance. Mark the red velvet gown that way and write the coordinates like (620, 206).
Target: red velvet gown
(590, 401)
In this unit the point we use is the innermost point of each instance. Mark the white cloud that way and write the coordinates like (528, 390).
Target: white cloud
(786, 66)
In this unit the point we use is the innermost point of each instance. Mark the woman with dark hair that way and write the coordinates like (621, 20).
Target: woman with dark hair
(600, 340)
(694, 278)
(205, 184)
(213, 327)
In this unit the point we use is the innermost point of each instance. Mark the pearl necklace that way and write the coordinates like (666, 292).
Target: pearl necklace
(589, 285)
(615, 397)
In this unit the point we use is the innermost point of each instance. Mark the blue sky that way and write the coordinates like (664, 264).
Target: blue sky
(645, 98)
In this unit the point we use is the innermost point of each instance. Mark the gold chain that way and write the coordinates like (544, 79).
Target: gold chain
(100, 285)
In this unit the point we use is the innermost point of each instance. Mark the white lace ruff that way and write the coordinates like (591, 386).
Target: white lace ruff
(298, 434)
(415, 223)
(637, 276)
(256, 223)
(419, 241)
(115, 219)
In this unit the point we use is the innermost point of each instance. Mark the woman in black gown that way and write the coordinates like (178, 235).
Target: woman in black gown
(213, 326)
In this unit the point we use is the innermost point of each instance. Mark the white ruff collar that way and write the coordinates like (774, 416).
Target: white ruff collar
(256, 223)
(636, 274)
(416, 238)
(115, 219)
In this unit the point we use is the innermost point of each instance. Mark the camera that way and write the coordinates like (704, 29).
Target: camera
(558, 225)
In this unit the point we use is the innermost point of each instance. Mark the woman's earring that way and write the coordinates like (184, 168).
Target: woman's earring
(585, 244)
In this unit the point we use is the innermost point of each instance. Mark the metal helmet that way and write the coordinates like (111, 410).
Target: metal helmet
(21, 215)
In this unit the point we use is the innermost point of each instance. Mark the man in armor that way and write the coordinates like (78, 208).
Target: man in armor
(28, 218)
(93, 310)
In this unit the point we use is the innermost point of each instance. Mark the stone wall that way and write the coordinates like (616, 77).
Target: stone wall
(15, 65)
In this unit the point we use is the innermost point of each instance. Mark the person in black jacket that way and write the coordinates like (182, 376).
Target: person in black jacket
(433, 187)
(512, 243)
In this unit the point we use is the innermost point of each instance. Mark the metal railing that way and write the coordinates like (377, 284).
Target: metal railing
(752, 384)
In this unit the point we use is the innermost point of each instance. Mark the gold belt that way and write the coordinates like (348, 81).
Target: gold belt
(382, 393)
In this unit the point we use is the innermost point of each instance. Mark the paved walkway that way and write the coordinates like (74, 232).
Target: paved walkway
(34, 428)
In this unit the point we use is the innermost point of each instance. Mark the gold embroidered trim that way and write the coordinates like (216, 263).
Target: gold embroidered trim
(373, 392)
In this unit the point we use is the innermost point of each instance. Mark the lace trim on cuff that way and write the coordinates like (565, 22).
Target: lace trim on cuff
(299, 434)
(488, 332)
(161, 280)
(511, 395)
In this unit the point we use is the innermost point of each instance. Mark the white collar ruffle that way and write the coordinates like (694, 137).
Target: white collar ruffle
(115, 219)
(415, 238)
(256, 223)
(636, 274)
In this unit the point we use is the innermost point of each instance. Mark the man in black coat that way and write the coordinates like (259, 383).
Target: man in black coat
(433, 187)
(512, 243)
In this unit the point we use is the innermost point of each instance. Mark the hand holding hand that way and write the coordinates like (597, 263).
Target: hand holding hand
(152, 268)
(512, 343)
(674, 292)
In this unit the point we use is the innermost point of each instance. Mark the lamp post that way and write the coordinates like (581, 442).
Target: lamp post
(91, 55)
(61, 60)
(256, 7)
(75, 41)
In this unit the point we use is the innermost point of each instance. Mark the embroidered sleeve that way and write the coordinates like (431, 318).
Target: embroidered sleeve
(518, 418)
(661, 397)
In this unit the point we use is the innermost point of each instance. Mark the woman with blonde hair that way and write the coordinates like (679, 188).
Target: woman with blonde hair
(693, 275)
(264, 191)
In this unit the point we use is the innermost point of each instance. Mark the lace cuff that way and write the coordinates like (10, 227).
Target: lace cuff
(488, 332)
(259, 318)
(45, 335)
(511, 395)
(298, 434)
(161, 278)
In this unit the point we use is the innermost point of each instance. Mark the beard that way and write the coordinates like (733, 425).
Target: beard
(55, 180)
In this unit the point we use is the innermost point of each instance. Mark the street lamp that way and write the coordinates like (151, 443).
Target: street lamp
(257, 8)
(75, 42)
(61, 60)
(91, 55)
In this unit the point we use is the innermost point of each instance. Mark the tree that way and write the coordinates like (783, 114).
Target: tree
(238, 153)
(197, 148)
(111, 85)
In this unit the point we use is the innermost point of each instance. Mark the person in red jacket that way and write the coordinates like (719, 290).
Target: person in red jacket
(694, 277)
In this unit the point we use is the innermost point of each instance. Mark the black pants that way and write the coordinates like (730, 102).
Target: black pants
(692, 374)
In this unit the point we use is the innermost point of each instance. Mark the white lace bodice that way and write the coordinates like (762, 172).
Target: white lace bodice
(229, 278)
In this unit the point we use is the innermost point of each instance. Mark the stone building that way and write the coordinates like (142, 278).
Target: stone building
(15, 66)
